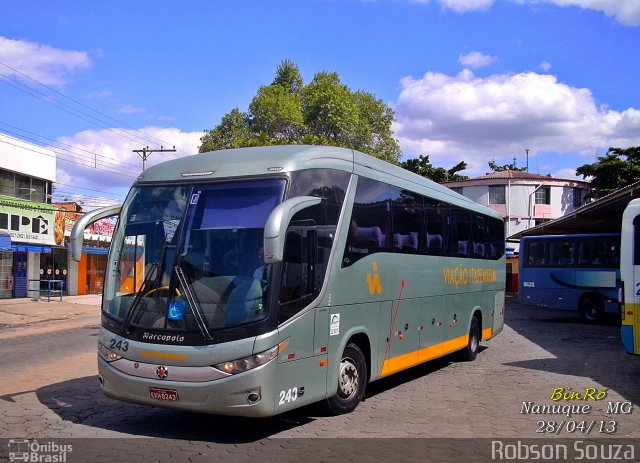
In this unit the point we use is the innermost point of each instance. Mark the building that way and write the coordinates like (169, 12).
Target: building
(27, 174)
(34, 232)
(525, 200)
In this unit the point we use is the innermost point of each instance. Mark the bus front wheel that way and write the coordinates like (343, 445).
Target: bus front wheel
(470, 352)
(352, 379)
(591, 309)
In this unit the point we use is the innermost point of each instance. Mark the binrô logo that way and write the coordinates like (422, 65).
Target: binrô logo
(33, 451)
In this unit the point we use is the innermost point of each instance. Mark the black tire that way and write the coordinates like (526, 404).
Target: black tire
(470, 352)
(591, 309)
(352, 380)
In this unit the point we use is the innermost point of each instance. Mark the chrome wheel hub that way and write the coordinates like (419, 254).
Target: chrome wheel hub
(348, 380)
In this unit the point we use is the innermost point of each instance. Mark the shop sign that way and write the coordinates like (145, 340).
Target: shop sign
(28, 222)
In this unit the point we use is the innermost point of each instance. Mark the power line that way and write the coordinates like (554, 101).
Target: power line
(93, 154)
(146, 136)
(127, 174)
(68, 109)
(71, 110)
(146, 152)
(90, 189)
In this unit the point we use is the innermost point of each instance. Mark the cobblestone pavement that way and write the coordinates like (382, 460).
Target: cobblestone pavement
(538, 351)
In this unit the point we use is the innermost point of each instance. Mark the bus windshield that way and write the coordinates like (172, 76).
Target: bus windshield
(189, 257)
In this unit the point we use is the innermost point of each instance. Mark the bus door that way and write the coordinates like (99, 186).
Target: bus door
(630, 275)
(300, 378)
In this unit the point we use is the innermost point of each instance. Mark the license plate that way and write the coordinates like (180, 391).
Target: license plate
(163, 394)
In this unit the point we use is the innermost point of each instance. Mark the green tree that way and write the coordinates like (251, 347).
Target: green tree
(323, 112)
(611, 172)
(288, 77)
(232, 132)
(277, 113)
(496, 168)
(422, 166)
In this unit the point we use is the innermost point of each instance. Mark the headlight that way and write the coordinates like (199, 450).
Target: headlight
(247, 363)
(106, 354)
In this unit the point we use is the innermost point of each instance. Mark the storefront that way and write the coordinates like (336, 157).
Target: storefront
(34, 253)
(91, 268)
(34, 233)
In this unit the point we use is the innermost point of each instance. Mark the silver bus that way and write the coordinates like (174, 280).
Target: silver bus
(252, 281)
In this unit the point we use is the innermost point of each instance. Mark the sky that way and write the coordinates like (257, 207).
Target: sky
(472, 80)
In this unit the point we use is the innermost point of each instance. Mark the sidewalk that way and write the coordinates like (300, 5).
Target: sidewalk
(26, 311)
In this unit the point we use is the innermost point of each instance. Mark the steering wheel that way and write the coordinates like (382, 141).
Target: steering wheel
(162, 288)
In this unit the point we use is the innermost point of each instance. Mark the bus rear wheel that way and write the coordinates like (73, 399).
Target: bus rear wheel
(352, 379)
(470, 352)
(591, 309)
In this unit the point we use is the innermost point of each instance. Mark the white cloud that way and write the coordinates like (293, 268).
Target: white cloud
(102, 94)
(545, 66)
(463, 117)
(108, 161)
(625, 11)
(462, 6)
(568, 174)
(475, 60)
(44, 63)
(130, 109)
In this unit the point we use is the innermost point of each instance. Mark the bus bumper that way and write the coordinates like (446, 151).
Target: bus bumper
(233, 395)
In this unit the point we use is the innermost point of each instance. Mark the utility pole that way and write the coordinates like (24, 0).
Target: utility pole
(145, 152)
(527, 150)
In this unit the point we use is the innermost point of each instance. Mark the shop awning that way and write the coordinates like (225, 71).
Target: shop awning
(30, 248)
(5, 241)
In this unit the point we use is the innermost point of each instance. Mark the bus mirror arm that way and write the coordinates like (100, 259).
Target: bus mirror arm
(276, 227)
(77, 233)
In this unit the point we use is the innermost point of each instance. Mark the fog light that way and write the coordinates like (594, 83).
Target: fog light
(253, 397)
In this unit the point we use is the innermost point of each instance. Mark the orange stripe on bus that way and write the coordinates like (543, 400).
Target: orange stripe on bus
(487, 333)
(410, 359)
(163, 355)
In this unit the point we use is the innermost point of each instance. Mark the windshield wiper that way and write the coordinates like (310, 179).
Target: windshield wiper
(193, 305)
(152, 275)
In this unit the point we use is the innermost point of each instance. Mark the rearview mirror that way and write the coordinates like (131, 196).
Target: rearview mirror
(77, 233)
(276, 226)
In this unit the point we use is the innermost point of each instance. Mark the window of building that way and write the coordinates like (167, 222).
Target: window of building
(497, 194)
(6, 183)
(578, 197)
(24, 187)
(456, 189)
(543, 195)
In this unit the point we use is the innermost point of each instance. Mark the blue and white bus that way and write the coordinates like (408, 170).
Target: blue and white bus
(630, 273)
(571, 272)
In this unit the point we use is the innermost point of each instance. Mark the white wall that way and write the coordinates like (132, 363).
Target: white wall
(26, 158)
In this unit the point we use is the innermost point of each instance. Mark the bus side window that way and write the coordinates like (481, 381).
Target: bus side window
(408, 222)
(636, 241)
(460, 244)
(536, 254)
(436, 215)
(370, 224)
(561, 253)
(297, 286)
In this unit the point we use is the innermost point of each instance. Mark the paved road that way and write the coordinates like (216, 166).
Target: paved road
(47, 394)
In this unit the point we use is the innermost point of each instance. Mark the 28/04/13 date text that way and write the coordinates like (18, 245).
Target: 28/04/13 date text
(575, 426)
